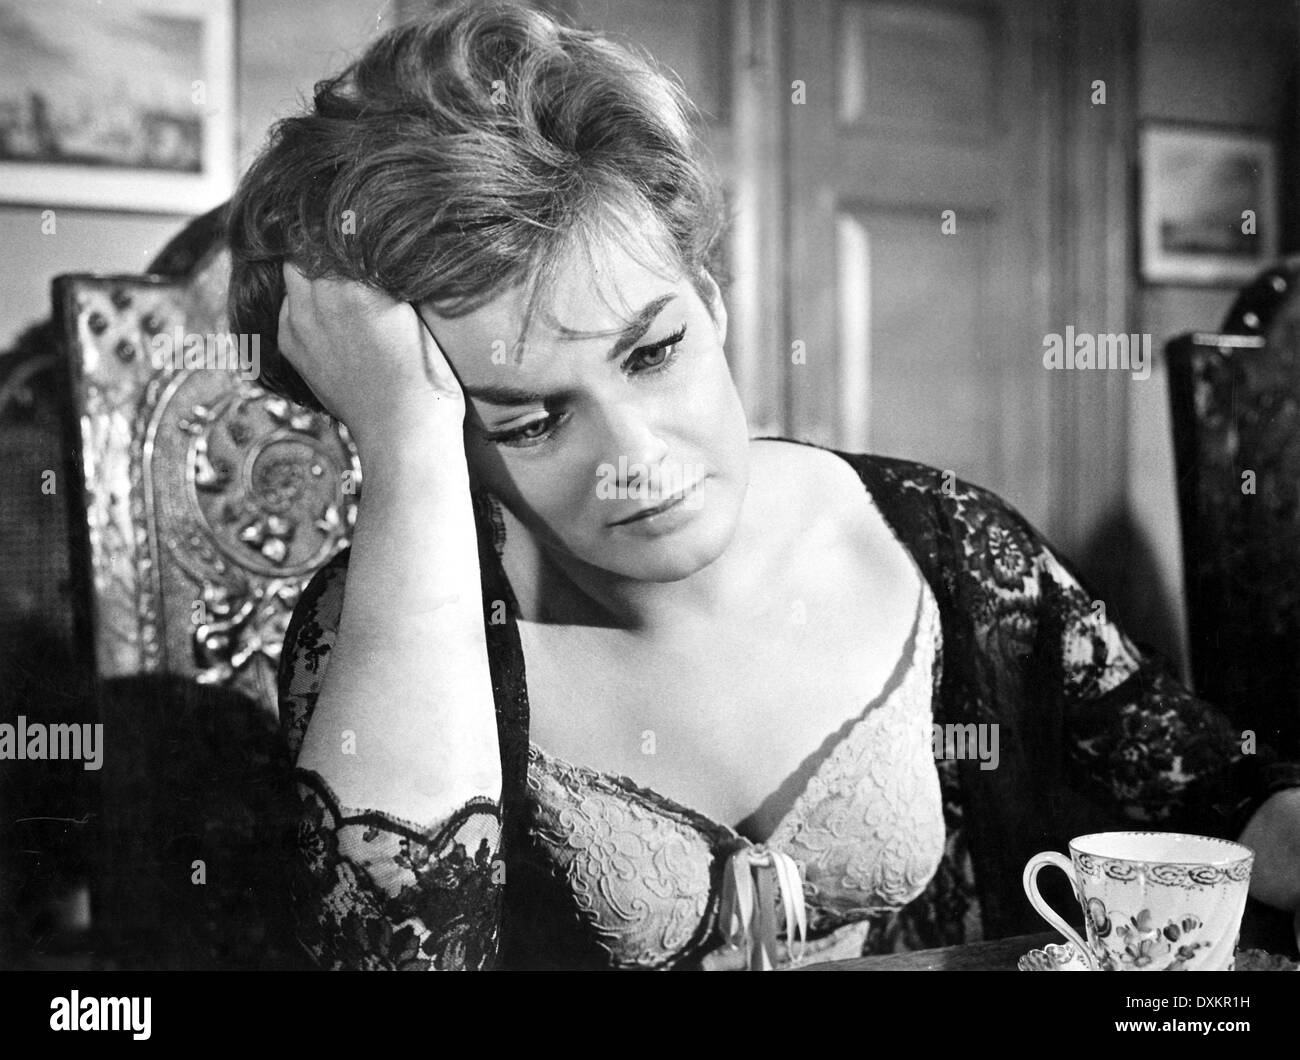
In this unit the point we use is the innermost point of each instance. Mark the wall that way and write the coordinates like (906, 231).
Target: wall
(282, 49)
(1230, 64)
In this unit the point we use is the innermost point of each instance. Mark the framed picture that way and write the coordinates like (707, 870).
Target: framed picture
(125, 105)
(1209, 205)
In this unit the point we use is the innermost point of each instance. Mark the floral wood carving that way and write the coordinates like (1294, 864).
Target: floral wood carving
(209, 502)
(268, 496)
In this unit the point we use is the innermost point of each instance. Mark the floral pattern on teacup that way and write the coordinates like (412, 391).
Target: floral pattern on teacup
(1140, 941)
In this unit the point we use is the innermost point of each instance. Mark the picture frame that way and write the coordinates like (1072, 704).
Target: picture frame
(153, 131)
(1209, 204)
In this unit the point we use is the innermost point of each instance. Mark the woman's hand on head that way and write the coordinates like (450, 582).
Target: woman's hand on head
(370, 360)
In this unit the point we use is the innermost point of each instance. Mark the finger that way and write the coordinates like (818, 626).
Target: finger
(329, 296)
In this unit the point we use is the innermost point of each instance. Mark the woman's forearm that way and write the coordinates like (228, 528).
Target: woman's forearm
(1273, 833)
(405, 721)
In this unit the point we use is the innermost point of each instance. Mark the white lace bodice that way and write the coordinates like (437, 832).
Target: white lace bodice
(867, 830)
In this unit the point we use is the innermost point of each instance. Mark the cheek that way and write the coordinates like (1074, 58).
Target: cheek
(713, 400)
(718, 374)
(545, 495)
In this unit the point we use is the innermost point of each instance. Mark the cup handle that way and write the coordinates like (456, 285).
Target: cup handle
(1030, 879)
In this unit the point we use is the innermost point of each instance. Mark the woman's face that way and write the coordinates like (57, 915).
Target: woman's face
(620, 401)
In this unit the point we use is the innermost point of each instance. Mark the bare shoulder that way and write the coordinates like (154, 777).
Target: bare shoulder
(824, 481)
(832, 515)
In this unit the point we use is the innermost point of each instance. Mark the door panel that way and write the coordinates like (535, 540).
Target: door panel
(896, 69)
(912, 261)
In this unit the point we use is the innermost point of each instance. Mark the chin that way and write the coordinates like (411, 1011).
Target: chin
(671, 554)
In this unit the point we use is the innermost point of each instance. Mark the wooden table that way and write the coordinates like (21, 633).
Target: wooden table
(1000, 955)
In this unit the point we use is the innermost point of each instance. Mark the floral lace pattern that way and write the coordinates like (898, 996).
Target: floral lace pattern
(1149, 752)
(383, 895)
(637, 865)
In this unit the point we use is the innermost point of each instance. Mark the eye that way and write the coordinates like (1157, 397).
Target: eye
(660, 356)
(529, 434)
(648, 360)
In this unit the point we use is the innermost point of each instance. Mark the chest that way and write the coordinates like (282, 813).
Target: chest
(725, 720)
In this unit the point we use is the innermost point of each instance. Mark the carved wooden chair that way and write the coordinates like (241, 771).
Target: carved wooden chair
(201, 507)
(1236, 418)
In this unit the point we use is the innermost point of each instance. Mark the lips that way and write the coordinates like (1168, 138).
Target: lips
(662, 506)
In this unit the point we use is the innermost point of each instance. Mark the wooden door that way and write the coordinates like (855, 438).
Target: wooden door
(915, 211)
(957, 190)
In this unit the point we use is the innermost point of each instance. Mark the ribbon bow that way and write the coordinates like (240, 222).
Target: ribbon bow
(747, 907)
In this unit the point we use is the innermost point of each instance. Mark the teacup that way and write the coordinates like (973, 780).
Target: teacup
(1152, 901)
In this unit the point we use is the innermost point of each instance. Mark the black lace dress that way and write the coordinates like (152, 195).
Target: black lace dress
(576, 869)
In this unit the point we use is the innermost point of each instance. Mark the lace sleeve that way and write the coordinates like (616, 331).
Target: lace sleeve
(1136, 739)
(371, 891)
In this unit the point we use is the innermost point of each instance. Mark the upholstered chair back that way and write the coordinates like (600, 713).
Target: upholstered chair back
(1236, 417)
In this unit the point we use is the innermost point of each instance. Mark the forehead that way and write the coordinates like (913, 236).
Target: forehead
(592, 297)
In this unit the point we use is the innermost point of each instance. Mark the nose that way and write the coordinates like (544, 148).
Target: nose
(633, 444)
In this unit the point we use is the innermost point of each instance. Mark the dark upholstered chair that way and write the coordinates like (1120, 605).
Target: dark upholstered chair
(1236, 419)
(44, 856)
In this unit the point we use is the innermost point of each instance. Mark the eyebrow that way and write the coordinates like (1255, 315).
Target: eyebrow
(627, 338)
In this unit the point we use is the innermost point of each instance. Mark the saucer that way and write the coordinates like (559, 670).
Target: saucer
(1065, 957)
(1054, 957)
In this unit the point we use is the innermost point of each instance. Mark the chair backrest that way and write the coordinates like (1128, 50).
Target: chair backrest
(206, 503)
(1235, 400)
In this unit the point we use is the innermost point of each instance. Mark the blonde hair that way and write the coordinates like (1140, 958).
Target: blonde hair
(469, 151)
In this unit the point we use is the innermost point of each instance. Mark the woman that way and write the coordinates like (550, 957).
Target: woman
(487, 252)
